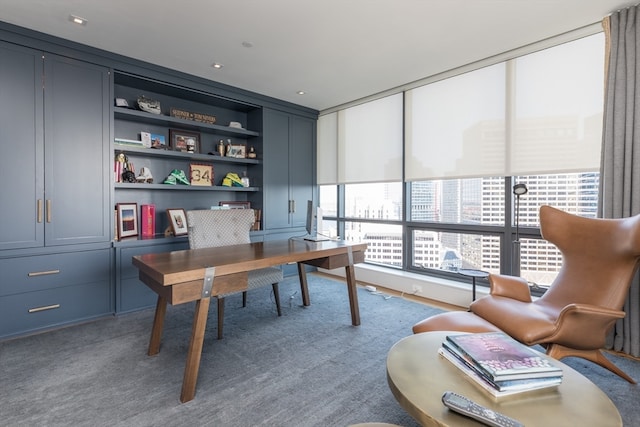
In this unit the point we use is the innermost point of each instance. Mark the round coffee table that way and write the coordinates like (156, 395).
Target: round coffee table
(418, 377)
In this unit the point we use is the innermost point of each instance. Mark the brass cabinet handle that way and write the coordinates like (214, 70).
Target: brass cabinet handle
(39, 210)
(46, 307)
(42, 273)
(49, 210)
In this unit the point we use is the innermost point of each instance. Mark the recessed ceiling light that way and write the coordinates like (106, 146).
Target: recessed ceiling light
(77, 20)
(300, 92)
(217, 65)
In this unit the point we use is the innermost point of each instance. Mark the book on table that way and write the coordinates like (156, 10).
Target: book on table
(507, 388)
(501, 358)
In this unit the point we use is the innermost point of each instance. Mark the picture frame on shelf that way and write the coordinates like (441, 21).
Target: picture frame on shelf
(233, 204)
(127, 219)
(158, 141)
(177, 221)
(201, 174)
(184, 141)
(237, 151)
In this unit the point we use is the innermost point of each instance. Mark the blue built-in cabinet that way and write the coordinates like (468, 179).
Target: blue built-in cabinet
(61, 261)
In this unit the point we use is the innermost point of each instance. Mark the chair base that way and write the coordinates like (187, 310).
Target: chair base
(558, 352)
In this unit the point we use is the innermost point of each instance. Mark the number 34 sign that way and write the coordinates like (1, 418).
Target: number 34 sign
(201, 174)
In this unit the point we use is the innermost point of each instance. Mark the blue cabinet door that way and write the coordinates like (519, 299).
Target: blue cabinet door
(21, 148)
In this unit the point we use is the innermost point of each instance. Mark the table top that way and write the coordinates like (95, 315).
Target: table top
(169, 268)
(418, 376)
(472, 272)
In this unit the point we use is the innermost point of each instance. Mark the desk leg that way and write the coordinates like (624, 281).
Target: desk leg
(304, 288)
(353, 291)
(195, 350)
(158, 325)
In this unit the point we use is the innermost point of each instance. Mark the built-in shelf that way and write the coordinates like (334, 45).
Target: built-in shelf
(152, 152)
(182, 187)
(121, 113)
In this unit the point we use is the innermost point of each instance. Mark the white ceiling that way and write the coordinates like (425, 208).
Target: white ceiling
(336, 51)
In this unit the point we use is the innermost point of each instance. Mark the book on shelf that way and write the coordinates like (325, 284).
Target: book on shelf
(510, 388)
(500, 357)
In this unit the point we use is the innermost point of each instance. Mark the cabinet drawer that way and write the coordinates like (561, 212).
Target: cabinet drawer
(127, 270)
(41, 272)
(28, 312)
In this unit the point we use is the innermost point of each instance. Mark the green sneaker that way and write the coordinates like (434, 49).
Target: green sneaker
(171, 180)
(180, 176)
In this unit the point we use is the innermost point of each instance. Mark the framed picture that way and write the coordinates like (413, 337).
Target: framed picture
(127, 218)
(177, 221)
(201, 174)
(158, 141)
(236, 205)
(237, 151)
(182, 140)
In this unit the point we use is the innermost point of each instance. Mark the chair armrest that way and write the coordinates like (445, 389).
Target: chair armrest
(510, 287)
(584, 326)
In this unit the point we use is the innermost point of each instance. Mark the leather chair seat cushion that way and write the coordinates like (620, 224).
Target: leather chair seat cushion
(527, 322)
(459, 321)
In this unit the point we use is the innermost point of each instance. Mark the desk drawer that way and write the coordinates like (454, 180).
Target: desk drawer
(34, 273)
(30, 311)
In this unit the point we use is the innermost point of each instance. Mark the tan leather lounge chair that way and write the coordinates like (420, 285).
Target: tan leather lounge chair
(225, 227)
(573, 318)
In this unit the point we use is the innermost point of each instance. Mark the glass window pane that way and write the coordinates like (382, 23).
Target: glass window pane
(540, 261)
(453, 251)
(329, 200)
(374, 201)
(459, 201)
(576, 193)
(384, 242)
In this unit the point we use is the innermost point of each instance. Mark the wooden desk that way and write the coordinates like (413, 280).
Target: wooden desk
(199, 274)
(418, 376)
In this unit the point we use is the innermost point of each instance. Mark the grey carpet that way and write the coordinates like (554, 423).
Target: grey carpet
(309, 367)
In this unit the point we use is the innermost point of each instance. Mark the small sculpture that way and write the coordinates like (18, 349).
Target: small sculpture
(252, 153)
(145, 176)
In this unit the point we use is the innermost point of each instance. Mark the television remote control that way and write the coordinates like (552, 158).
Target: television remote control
(471, 409)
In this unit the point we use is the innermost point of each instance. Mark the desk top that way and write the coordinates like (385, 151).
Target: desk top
(169, 268)
(418, 377)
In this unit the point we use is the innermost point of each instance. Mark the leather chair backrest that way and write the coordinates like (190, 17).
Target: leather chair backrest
(219, 227)
(600, 258)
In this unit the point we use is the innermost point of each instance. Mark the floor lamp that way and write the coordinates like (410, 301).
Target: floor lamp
(518, 190)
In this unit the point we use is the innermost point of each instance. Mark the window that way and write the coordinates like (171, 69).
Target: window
(535, 119)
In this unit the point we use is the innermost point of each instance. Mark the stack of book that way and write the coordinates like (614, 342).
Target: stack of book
(500, 364)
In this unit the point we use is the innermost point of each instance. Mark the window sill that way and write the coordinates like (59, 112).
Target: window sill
(437, 289)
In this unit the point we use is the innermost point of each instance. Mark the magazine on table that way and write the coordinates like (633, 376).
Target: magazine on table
(500, 391)
(501, 357)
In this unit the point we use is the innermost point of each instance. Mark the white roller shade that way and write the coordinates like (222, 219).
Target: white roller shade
(327, 149)
(370, 141)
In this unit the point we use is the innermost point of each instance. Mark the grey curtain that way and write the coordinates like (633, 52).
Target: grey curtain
(620, 168)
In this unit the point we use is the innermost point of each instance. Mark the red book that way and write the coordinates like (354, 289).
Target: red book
(148, 220)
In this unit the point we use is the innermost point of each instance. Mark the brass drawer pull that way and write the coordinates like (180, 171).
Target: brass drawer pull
(43, 273)
(46, 307)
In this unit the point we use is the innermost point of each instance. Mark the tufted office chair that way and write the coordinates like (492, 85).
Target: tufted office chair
(224, 227)
(573, 318)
